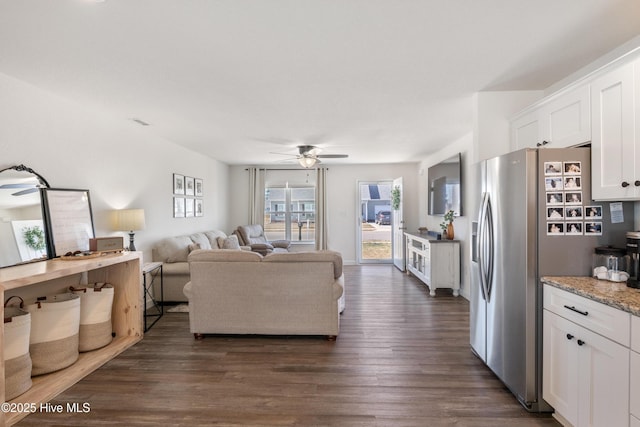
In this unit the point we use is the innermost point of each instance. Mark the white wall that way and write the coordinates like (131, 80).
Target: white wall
(343, 214)
(492, 112)
(122, 164)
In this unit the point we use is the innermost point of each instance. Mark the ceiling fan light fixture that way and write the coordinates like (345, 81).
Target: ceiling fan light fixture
(307, 162)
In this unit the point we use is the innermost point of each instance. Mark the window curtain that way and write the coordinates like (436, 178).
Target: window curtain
(256, 195)
(321, 209)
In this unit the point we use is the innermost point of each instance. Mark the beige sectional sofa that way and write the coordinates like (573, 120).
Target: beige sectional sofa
(173, 253)
(243, 292)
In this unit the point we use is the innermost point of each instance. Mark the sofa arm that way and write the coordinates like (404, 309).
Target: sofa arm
(284, 244)
(262, 248)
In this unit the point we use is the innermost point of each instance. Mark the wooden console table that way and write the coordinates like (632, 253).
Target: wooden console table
(435, 262)
(123, 271)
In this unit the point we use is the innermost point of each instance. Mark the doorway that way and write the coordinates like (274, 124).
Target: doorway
(375, 222)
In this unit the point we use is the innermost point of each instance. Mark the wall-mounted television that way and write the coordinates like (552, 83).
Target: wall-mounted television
(445, 186)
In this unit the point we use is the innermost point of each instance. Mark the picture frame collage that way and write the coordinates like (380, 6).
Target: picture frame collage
(566, 212)
(187, 196)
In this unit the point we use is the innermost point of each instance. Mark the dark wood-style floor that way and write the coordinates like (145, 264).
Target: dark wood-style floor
(402, 359)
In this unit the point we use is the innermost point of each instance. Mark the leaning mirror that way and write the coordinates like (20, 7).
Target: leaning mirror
(22, 231)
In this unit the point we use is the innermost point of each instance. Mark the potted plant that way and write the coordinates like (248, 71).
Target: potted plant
(447, 224)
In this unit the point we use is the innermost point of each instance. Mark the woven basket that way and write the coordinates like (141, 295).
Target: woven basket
(55, 327)
(96, 301)
(17, 360)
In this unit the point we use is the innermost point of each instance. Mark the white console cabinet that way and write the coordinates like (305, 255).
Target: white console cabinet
(435, 262)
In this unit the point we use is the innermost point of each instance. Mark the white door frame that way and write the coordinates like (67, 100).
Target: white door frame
(358, 227)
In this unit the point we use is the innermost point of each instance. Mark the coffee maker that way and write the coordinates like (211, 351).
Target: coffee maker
(633, 250)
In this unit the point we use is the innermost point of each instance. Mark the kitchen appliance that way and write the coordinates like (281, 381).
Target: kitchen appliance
(610, 263)
(633, 250)
(536, 218)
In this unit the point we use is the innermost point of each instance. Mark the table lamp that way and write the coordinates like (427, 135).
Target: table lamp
(129, 220)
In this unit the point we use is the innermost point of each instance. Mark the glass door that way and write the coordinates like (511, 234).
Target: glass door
(375, 222)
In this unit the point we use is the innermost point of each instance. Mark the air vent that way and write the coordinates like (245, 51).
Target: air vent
(140, 122)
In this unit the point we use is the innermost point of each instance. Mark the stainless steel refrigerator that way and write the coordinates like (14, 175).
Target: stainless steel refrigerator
(536, 218)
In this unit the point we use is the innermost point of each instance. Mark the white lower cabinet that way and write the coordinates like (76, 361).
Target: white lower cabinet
(634, 375)
(585, 376)
(435, 262)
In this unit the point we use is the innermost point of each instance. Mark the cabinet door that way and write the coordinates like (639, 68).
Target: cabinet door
(525, 131)
(566, 120)
(603, 382)
(559, 367)
(613, 150)
(634, 376)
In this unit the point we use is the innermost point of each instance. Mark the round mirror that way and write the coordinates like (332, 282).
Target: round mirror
(22, 230)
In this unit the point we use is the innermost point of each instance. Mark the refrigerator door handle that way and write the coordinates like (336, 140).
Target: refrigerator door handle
(486, 246)
(482, 245)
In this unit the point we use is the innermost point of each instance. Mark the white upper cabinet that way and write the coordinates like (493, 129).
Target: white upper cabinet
(615, 146)
(563, 120)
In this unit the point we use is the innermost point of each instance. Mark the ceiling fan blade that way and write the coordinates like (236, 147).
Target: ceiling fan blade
(333, 156)
(27, 191)
(17, 186)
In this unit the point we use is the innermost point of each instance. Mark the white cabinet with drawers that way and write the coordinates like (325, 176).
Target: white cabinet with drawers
(586, 356)
(435, 262)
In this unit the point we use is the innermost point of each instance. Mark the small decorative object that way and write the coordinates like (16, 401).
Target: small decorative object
(423, 230)
(34, 238)
(395, 198)
(447, 224)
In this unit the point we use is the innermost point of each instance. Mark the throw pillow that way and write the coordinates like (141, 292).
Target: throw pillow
(230, 242)
(193, 247)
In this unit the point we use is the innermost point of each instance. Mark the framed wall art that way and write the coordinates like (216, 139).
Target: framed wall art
(198, 208)
(178, 207)
(188, 208)
(69, 219)
(199, 191)
(178, 184)
(189, 186)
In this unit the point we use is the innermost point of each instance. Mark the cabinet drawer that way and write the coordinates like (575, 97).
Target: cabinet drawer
(600, 318)
(634, 377)
(635, 333)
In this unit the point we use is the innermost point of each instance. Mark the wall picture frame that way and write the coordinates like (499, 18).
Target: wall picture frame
(199, 209)
(199, 190)
(189, 208)
(69, 220)
(178, 207)
(189, 186)
(178, 184)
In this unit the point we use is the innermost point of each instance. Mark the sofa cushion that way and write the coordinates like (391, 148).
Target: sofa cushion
(213, 237)
(230, 242)
(173, 249)
(221, 255)
(201, 239)
(310, 256)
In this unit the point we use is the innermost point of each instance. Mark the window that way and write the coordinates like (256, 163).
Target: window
(289, 213)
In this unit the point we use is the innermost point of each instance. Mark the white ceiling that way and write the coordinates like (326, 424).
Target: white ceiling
(380, 80)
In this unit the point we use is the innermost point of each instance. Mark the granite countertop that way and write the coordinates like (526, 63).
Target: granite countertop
(617, 295)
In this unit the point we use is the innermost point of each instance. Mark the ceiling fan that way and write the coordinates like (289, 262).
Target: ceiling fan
(309, 155)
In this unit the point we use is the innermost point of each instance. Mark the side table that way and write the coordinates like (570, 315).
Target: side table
(152, 270)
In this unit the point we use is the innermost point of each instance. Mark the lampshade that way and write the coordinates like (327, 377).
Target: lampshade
(129, 220)
(306, 161)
